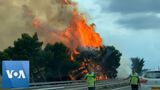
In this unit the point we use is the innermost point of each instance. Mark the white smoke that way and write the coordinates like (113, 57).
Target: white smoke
(124, 69)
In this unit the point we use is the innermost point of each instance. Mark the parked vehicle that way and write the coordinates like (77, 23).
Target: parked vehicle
(150, 80)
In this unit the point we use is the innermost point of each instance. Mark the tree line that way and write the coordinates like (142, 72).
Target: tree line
(51, 62)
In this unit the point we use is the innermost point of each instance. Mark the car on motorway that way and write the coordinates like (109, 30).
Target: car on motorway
(150, 80)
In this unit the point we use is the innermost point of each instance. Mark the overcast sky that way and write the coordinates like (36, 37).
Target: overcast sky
(132, 26)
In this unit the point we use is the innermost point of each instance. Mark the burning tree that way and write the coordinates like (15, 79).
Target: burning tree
(85, 45)
(104, 61)
(110, 60)
(81, 47)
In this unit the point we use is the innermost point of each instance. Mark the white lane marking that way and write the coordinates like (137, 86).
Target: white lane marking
(49, 88)
(121, 88)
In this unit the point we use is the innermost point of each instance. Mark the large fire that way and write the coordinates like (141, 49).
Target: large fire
(78, 34)
(87, 66)
(80, 31)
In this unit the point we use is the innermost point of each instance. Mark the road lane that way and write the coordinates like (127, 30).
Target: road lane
(123, 88)
(53, 88)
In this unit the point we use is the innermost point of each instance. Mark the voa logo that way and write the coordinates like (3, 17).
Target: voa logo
(12, 73)
(15, 74)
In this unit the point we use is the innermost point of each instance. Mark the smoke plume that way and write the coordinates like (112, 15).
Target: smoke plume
(15, 16)
(124, 69)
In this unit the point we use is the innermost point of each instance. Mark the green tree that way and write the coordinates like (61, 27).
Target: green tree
(137, 64)
(3, 56)
(25, 48)
(58, 64)
(48, 64)
(110, 60)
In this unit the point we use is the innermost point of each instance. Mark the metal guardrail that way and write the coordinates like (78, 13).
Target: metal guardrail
(76, 85)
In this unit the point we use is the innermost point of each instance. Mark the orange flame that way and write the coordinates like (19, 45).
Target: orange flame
(80, 34)
(80, 31)
(77, 34)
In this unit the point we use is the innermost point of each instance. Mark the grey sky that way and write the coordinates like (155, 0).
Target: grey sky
(132, 26)
(133, 6)
(140, 22)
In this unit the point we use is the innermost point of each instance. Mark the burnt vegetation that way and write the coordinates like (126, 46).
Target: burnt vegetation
(52, 63)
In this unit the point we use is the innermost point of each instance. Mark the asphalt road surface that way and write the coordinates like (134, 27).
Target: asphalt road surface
(123, 88)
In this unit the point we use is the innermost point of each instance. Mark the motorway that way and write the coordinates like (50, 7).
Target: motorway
(62, 88)
(76, 85)
(123, 88)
